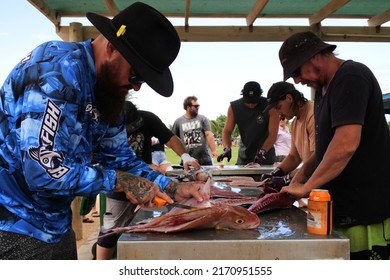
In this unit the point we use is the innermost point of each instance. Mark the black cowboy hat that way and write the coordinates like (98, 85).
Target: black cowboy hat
(298, 49)
(146, 39)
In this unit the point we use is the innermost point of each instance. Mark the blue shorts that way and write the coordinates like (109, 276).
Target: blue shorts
(159, 158)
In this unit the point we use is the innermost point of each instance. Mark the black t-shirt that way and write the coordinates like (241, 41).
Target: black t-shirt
(140, 140)
(158, 147)
(361, 193)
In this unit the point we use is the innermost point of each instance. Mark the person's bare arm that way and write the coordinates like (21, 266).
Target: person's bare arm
(340, 150)
(305, 172)
(273, 127)
(177, 146)
(137, 189)
(228, 129)
(211, 142)
(291, 161)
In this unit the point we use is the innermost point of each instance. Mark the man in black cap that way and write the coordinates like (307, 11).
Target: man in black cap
(63, 130)
(258, 129)
(352, 156)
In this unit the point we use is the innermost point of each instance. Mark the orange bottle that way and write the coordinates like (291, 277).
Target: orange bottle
(319, 214)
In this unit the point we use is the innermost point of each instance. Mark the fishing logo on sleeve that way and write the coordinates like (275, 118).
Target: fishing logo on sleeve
(26, 58)
(93, 112)
(45, 155)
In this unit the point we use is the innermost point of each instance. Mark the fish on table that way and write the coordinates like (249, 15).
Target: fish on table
(271, 199)
(205, 215)
(225, 217)
(227, 214)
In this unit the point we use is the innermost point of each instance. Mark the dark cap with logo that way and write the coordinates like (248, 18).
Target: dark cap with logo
(277, 92)
(298, 49)
(251, 92)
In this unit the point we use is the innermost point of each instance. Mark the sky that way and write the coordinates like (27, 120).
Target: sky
(214, 72)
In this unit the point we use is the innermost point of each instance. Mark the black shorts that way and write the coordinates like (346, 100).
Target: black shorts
(14, 246)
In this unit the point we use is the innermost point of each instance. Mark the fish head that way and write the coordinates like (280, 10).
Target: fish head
(238, 217)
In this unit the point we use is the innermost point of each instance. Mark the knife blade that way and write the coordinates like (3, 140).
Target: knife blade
(159, 202)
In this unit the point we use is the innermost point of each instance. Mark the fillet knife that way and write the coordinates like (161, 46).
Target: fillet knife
(158, 201)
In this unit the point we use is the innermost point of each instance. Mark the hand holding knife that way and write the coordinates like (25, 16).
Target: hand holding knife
(159, 202)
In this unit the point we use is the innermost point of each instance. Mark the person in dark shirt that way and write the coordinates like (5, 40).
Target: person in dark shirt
(141, 126)
(352, 155)
(258, 129)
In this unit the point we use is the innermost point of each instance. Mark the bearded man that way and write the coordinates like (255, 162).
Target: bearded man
(63, 130)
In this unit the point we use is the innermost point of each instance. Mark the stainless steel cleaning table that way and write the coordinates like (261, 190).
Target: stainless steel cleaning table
(231, 170)
(281, 235)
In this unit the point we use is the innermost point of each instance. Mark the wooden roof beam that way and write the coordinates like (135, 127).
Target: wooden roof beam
(112, 7)
(255, 12)
(261, 33)
(379, 19)
(51, 14)
(329, 9)
(187, 14)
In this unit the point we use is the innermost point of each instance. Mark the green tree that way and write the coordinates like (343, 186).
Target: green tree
(217, 126)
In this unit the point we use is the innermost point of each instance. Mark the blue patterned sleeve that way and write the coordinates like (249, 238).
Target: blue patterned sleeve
(53, 126)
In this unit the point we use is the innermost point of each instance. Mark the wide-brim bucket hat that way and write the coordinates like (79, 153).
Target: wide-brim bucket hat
(299, 48)
(146, 39)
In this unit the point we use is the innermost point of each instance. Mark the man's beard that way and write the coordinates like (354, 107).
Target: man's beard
(110, 99)
(193, 114)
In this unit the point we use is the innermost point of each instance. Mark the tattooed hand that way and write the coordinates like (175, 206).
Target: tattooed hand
(184, 190)
(137, 189)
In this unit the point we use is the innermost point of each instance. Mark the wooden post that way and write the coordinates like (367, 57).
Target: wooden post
(77, 223)
(76, 35)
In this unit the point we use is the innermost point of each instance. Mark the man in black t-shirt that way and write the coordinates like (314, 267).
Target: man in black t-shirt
(352, 142)
(140, 127)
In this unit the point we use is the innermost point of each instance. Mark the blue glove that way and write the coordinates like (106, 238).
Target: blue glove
(227, 153)
(260, 157)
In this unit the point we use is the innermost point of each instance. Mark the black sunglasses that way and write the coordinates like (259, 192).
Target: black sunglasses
(296, 73)
(136, 79)
(196, 106)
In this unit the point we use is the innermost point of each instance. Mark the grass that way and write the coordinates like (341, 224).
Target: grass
(173, 158)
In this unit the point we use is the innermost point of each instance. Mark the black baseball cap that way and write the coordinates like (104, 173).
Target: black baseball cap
(277, 92)
(251, 92)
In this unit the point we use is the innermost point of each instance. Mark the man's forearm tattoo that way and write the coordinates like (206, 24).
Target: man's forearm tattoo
(137, 186)
(170, 189)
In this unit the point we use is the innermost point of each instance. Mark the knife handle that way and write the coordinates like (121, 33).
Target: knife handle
(159, 202)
